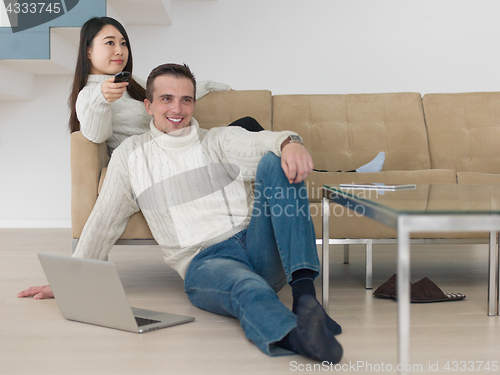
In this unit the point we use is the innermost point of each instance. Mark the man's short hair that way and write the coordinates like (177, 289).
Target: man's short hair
(174, 70)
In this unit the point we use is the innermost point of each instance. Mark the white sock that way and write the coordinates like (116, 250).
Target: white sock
(375, 165)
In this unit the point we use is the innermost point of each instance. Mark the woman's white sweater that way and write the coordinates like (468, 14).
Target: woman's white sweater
(194, 190)
(114, 122)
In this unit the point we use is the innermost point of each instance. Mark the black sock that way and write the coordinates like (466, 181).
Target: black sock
(303, 284)
(312, 337)
(286, 342)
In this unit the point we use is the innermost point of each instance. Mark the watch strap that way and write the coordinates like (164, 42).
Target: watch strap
(291, 139)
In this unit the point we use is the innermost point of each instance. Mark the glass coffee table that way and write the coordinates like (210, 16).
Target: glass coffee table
(420, 208)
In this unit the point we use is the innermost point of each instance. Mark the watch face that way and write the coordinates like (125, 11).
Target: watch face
(295, 138)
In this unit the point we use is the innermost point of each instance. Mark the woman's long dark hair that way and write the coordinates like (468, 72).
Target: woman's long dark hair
(83, 65)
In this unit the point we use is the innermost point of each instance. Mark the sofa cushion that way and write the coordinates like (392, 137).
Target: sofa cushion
(343, 132)
(220, 108)
(478, 178)
(464, 131)
(137, 228)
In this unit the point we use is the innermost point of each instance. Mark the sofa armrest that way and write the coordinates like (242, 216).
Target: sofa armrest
(87, 161)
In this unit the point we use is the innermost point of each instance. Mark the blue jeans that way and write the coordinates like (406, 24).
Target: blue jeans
(240, 277)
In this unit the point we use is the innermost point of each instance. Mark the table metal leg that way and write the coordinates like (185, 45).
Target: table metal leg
(369, 264)
(346, 254)
(497, 247)
(403, 292)
(325, 208)
(493, 275)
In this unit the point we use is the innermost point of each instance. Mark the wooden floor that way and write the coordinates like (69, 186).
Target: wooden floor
(35, 339)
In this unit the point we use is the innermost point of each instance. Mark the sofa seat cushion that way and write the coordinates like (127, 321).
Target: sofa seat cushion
(343, 226)
(346, 223)
(478, 178)
(137, 228)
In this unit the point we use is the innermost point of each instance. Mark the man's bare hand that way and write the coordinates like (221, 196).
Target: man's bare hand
(113, 91)
(296, 162)
(38, 292)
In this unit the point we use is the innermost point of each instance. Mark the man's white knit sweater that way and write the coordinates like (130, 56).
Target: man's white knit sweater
(194, 190)
(114, 122)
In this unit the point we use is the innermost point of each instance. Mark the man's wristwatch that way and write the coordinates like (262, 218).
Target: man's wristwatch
(291, 139)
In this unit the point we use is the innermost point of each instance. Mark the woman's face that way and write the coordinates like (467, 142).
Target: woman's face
(109, 52)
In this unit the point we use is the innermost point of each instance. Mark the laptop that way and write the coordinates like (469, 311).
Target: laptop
(90, 291)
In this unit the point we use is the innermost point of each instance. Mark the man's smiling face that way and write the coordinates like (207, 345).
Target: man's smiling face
(173, 103)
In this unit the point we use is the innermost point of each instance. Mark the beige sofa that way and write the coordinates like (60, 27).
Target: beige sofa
(440, 138)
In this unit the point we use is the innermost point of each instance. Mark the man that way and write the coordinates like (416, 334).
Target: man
(194, 188)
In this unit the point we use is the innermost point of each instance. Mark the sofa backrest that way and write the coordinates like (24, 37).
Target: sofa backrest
(220, 108)
(464, 131)
(343, 132)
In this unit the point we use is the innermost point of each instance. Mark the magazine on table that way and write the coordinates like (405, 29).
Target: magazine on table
(378, 186)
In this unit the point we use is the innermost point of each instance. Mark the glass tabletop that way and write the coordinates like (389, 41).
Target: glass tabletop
(426, 199)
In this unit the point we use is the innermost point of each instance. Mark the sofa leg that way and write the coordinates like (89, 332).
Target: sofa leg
(369, 264)
(346, 254)
(74, 242)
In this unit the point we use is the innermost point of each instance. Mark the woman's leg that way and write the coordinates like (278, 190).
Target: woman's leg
(248, 123)
(375, 165)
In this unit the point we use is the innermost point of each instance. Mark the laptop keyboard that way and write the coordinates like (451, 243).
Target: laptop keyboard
(143, 321)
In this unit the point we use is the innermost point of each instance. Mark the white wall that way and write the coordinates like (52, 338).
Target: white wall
(35, 186)
(331, 46)
(286, 46)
